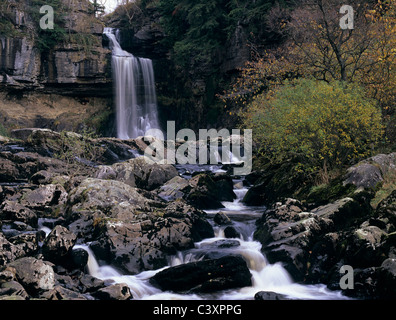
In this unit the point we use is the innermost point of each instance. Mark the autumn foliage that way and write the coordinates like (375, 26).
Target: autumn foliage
(335, 116)
(317, 125)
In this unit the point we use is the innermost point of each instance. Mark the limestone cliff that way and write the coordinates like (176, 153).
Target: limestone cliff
(77, 66)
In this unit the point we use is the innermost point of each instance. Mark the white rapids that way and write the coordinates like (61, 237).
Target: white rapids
(265, 276)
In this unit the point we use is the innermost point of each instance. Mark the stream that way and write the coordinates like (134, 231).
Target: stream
(265, 276)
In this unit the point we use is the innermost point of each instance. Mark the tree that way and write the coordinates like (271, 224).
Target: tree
(319, 126)
(98, 6)
(316, 46)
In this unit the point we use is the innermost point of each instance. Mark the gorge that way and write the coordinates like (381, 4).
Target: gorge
(85, 216)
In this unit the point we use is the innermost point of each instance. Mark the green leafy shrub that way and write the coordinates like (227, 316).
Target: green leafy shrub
(320, 126)
(3, 131)
(78, 150)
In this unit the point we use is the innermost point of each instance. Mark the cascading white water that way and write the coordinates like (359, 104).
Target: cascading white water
(135, 95)
(265, 276)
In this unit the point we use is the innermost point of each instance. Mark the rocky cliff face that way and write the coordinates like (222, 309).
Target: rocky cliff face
(76, 67)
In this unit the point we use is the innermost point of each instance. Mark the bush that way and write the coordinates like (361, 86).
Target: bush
(323, 126)
(3, 131)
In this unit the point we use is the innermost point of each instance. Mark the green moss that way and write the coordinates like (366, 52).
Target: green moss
(326, 193)
(384, 189)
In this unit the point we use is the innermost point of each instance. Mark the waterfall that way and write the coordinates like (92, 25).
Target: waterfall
(135, 96)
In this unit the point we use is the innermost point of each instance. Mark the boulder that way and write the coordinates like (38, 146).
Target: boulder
(363, 175)
(225, 185)
(26, 244)
(343, 212)
(231, 232)
(364, 247)
(8, 170)
(35, 275)
(13, 289)
(386, 209)
(222, 219)
(44, 197)
(269, 295)
(14, 211)
(119, 291)
(127, 247)
(79, 259)
(387, 279)
(130, 231)
(113, 199)
(61, 293)
(204, 194)
(369, 172)
(204, 276)
(9, 251)
(58, 244)
(90, 283)
(173, 189)
(288, 233)
(142, 174)
(144, 245)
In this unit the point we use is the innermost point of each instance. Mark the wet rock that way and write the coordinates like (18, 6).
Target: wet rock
(13, 289)
(35, 275)
(8, 251)
(364, 175)
(369, 172)
(8, 170)
(135, 247)
(222, 219)
(225, 187)
(387, 279)
(231, 232)
(174, 189)
(44, 197)
(343, 212)
(269, 295)
(223, 243)
(84, 227)
(114, 199)
(41, 177)
(14, 211)
(27, 243)
(139, 173)
(287, 232)
(204, 193)
(205, 276)
(200, 227)
(90, 283)
(58, 245)
(364, 247)
(118, 291)
(79, 259)
(130, 231)
(386, 209)
(61, 293)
